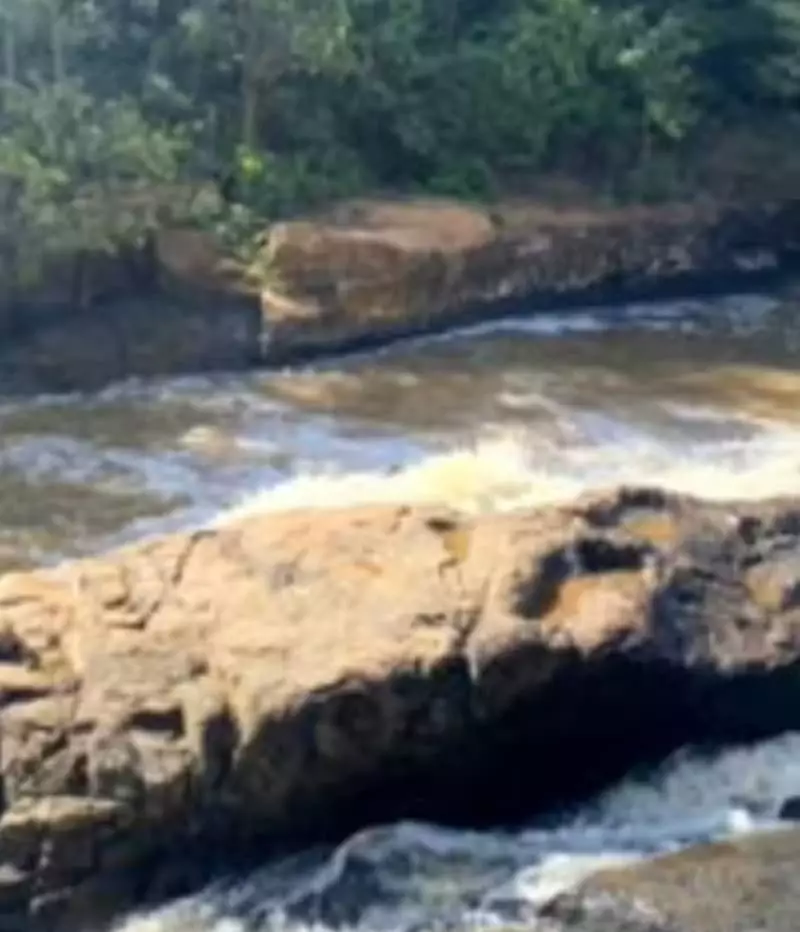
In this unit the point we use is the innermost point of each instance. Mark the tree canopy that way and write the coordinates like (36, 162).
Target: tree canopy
(280, 103)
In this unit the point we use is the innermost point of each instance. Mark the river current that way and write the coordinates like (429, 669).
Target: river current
(699, 396)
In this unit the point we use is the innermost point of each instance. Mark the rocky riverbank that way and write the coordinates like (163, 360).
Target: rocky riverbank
(288, 677)
(365, 273)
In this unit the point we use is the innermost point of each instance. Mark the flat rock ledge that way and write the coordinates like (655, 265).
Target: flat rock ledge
(289, 677)
(368, 272)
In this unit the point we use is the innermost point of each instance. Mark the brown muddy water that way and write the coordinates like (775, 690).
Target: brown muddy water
(699, 396)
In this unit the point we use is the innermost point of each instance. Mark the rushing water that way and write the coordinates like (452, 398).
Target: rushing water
(700, 396)
(420, 878)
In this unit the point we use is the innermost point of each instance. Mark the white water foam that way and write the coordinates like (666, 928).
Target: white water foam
(411, 876)
(515, 470)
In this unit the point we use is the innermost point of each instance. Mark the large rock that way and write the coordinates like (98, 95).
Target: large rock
(366, 272)
(362, 274)
(747, 885)
(292, 676)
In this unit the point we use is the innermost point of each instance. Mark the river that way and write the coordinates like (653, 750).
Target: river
(699, 396)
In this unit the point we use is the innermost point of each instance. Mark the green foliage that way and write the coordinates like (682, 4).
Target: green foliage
(550, 79)
(107, 107)
(273, 185)
(77, 172)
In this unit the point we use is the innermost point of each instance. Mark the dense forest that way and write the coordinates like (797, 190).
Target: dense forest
(111, 111)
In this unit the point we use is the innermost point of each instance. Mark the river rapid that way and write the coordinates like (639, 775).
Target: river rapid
(699, 396)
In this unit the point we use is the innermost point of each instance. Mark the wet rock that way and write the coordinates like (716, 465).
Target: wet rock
(177, 304)
(290, 677)
(740, 886)
(600, 912)
(149, 335)
(790, 809)
(369, 271)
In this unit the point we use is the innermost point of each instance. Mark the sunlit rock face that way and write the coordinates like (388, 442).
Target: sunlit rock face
(287, 677)
(368, 271)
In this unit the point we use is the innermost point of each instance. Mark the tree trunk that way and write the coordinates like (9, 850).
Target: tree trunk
(9, 52)
(57, 46)
(250, 58)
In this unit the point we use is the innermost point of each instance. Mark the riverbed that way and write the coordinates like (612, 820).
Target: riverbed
(698, 396)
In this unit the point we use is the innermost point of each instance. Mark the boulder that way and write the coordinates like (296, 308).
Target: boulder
(285, 678)
(370, 271)
(748, 884)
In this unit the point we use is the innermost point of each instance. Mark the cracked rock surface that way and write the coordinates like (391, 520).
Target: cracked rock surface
(293, 676)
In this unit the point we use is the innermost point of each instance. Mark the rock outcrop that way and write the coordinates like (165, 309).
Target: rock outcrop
(365, 273)
(736, 886)
(368, 272)
(289, 677)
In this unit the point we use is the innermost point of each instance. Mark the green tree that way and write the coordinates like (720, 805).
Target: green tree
(106, 104)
